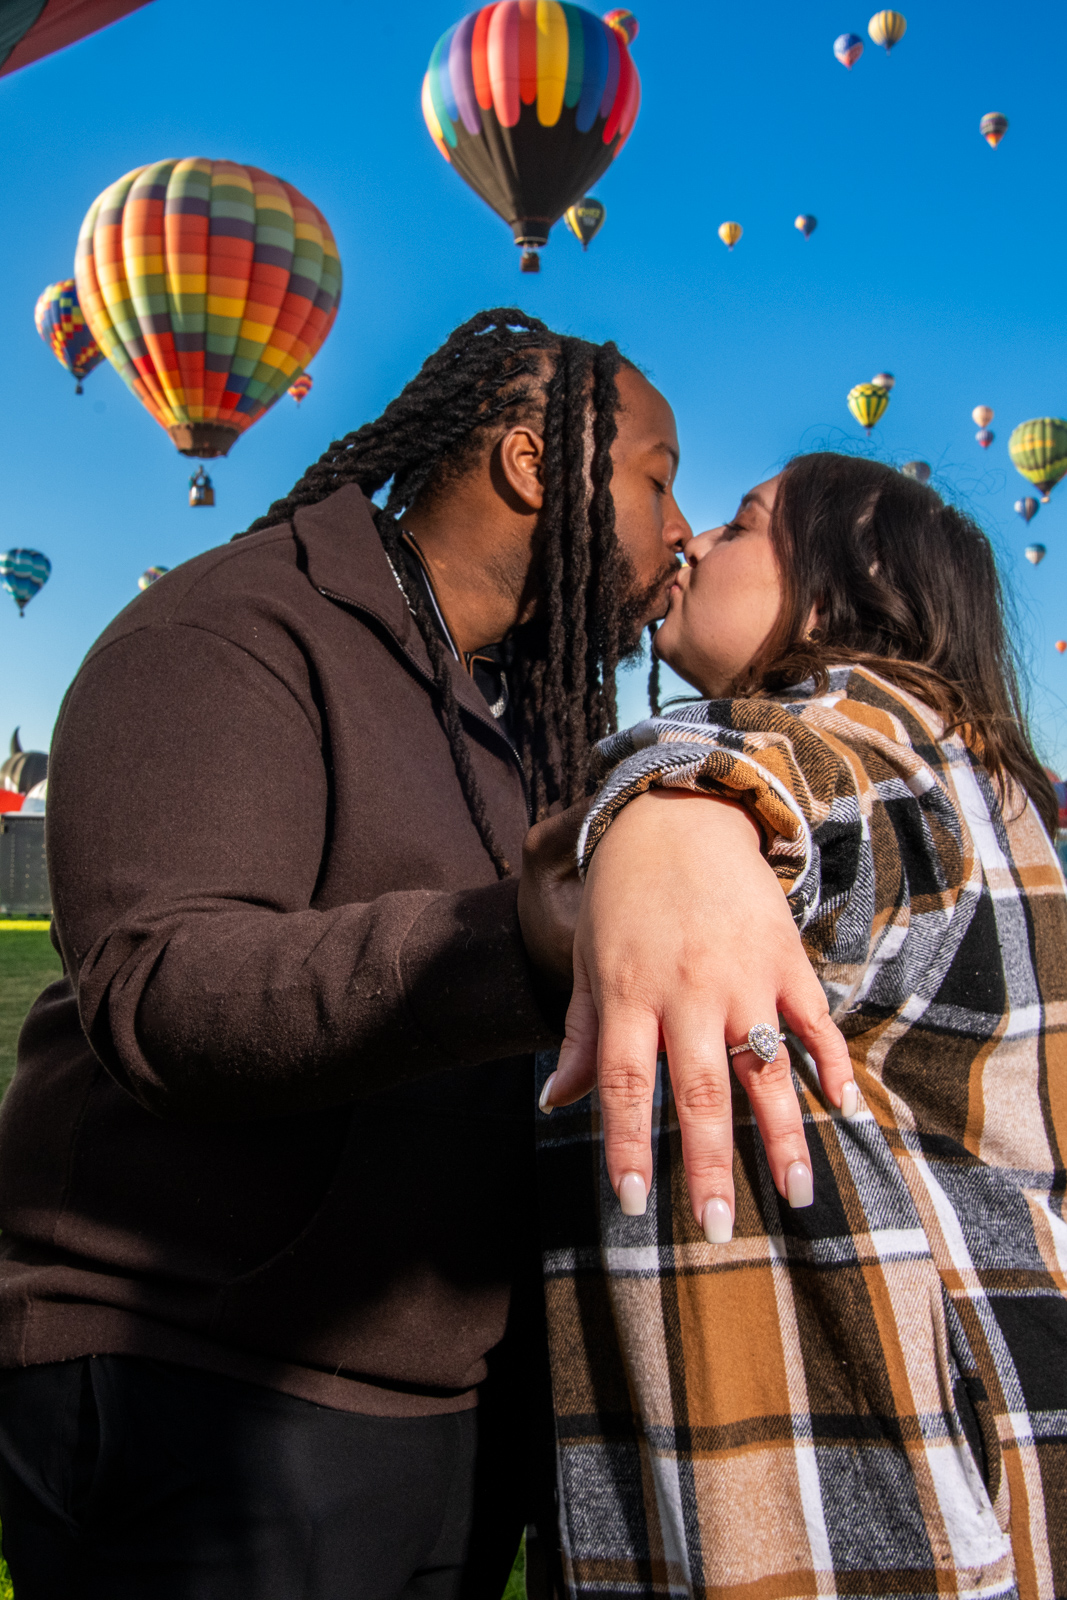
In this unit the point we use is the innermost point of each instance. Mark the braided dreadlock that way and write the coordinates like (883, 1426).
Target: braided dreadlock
(504, 367)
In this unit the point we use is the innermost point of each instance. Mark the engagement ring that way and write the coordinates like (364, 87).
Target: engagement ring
(763, 1041)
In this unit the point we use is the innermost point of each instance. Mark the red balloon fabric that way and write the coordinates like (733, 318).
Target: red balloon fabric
(37, 31)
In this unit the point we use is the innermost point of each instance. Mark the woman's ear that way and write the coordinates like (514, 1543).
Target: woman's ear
(519, 456)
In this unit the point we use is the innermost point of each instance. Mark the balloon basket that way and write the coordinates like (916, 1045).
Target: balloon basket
(531, 261)
(201, 489)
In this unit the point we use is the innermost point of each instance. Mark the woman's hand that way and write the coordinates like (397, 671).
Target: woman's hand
(684, 941)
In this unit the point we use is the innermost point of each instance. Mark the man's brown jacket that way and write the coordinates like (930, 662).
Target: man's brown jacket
(275, 1121)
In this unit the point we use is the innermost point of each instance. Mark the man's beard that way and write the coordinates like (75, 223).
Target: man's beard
(637, 606)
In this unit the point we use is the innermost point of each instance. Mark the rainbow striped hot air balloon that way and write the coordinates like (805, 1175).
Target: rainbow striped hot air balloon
(149, 576)
(531, 103)
(208, 286)
(24, 573)
(303, 386)
(60, 323)
(888, 28)
(867, 402)
(1038, 450)
(993, 127)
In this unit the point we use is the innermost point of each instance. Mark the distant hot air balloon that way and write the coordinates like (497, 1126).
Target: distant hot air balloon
(208, 286)
(149, 576)
(303, 386)
(848, 47)
(729, 233)
(60, 323)
(1061, 645)
(1035, 554)
(884, 380)
(919, 470)
(982, 416)
(993, 127)
(888, 28)
(867, 402)
(201, 489)
(807, 225)
(23, 573)
(531, 104)
(1038, 450)
(1027, 509)
(985, 437)
(585, 219)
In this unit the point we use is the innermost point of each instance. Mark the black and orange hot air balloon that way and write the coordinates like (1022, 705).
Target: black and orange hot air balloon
(209, 287)
(531, 101)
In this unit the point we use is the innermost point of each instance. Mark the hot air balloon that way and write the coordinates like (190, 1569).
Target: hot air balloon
(993, 127)
(867, 402)
(848, 47)
(208, 286)
(888, 28)
(303, 386)
(919, 470)
(149, 576)
(35, 31)
(982, 416)
(884, 380)
(1061, 645)
(201, 489)
(985, 437)
(807, 225)
(531, 104)
(1027, 509)
(1038, 450)
(1035, 554)
(23, 573)
(585, 220)
(60, 323)
(729, 233)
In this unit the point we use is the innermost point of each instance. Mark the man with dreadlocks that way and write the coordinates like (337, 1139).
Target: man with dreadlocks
(269, 1304)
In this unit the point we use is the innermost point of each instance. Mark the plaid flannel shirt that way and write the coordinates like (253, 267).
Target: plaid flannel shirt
(867, 1397)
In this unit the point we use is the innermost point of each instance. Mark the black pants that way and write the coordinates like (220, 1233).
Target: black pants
(128, 1479)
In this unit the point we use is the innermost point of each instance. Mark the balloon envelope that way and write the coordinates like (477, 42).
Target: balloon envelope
(1035, 554)
(303, 386)
(149, 576)
(1061, 645)
(919, 470)
(531, 104)
(24, 573)
(60, 323)
(1038, 450)
(982, 416)
(993, 127)
(33, 31)
(985, 437)
(208, 286)
(848, 47)
(867, 402)
(806, 224)
(884, 380)
(888, 28)
(729, 233)
(1027, 509)
(585, 219)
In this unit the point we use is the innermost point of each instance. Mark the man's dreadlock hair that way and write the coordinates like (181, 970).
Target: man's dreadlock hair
(497, 370)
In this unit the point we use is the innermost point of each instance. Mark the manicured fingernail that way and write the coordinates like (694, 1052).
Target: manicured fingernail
(545, 1099)
(633, 1196)
(798, 1185)
(850, 1099)
(717, 1222)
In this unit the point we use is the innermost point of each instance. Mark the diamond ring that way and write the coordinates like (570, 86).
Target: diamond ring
(763, 1041)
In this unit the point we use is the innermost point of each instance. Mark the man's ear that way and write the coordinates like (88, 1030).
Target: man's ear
(519, 456)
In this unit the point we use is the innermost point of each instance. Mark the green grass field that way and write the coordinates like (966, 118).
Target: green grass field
(27, 964)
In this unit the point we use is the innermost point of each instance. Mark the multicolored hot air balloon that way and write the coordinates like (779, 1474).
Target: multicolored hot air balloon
(531, 103)
(1035, 554)
(1061, 645)
(848, 47)
(302, 387)
(1038, 450)
(585, 220)
(982, 416)
(993, 127)
(919, 470)
(60, 323)
(806, 224)
(884, 380)
(1027, 509)
(209, 287)
(985, 437)
(867, 402)
(37, 30)
(149, 576)
(888, 28)
(729, 233)
(23, 573)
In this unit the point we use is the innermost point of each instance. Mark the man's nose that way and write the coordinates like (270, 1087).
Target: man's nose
(676, 531)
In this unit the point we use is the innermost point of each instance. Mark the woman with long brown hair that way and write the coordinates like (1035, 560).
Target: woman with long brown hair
(847, 1376)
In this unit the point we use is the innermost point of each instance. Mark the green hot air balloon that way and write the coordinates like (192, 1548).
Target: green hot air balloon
(867, 402)
(1038, 450)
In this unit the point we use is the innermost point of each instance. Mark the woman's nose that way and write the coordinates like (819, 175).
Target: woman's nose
(695, 547)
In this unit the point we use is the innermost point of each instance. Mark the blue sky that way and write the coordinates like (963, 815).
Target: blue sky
(935, 258)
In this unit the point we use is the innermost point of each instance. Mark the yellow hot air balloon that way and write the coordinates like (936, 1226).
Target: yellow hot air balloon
(729, 233)
(888, 28)
(867, 402)
(1038, 450)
